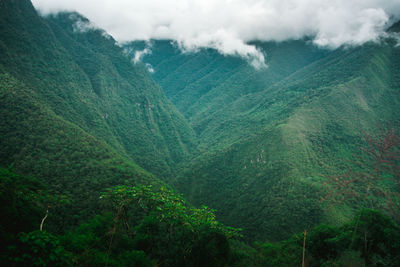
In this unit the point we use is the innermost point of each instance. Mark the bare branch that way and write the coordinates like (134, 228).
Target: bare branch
(44, 218)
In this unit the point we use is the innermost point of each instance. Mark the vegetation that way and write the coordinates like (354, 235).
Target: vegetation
(93, 147)
(370, 239)
(143, 226)
(54, 126)
(84, 77)
(139, 225)
(268, 139)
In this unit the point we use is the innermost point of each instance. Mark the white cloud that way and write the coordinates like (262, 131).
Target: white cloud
(80, 25)
(228, 25)
(149, 68)
(139, 54)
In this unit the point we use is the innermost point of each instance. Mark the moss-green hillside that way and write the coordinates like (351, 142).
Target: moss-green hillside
(84, 77)
(267, 142)
(77, 114)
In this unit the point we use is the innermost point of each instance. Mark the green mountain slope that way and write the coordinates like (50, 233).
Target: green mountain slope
(263, 152)
(71, 162)
(77, 114)
(85, 78)
(200, 82)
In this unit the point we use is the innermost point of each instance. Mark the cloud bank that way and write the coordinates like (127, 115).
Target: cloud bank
(228, 25)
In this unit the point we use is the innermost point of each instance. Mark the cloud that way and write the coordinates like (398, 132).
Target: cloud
(139, 54)
(149, 68)
(228, 25)
(80, 24)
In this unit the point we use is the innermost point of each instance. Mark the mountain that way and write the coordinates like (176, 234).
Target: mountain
(268, 138)
(200, 82)
(76, 113)
(95, 136)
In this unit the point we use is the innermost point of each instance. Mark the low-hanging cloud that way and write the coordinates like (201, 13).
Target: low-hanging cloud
(228, 25)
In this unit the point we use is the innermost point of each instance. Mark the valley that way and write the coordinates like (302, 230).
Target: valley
(145, 153)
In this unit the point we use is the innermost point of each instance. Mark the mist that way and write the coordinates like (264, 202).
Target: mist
(228, 25)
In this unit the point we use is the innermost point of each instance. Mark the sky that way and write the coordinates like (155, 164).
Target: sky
(228, 25)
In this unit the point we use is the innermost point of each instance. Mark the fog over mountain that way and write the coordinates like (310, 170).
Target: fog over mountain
(228, 25)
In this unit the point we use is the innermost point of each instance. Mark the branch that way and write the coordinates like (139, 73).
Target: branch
(44, 218)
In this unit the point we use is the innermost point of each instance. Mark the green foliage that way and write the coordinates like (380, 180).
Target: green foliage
(266, 137)
(22, 198)
(322, 242)
(23, 204)
(141, 226)
(149, 226)
(377, 238)
(85, 79)
(39, 249)
(57, 153)
(283, 254)
(79, 116)
(370, 239)
(97, 242)
(137, 108)
(167, 229)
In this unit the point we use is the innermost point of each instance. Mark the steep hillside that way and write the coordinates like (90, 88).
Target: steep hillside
(266, 142)
(200, 82)
(36, 141)
(77, 114)
(83, 76)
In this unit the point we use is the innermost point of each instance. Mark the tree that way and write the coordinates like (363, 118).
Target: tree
(374, 173)
(39, 248)
(150, 226)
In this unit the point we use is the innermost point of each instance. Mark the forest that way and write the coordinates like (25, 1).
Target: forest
(194, 158)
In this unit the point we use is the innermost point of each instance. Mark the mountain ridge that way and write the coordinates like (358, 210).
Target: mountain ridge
(98, 136)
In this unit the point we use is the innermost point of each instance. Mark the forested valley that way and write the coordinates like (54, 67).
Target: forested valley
(142, 154)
